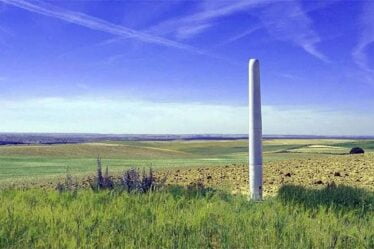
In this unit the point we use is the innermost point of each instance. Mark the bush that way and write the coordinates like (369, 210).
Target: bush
(357, 150)
(133, 182)
(101, 181)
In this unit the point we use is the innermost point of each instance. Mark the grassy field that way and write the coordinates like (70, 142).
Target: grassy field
(49, 160)
(36, 161)
(180, 218)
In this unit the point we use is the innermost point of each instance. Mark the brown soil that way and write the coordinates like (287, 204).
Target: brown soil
(351, 170)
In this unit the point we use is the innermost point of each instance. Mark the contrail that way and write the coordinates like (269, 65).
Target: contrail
(97, 24)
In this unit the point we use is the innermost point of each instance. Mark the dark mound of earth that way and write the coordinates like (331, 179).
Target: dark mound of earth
(357, 150)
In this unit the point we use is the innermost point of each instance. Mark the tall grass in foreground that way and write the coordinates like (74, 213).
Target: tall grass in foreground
(176, 218)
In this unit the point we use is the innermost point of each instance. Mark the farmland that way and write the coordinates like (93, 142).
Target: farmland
(316, 196)
(300, 157)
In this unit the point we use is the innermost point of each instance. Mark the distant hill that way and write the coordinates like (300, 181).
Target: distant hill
(59, 138)
(64, 138)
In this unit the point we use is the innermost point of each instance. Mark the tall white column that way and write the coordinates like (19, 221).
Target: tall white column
(255, 131)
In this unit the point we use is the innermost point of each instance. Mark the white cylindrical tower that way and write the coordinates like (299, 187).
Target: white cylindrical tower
(255, 131)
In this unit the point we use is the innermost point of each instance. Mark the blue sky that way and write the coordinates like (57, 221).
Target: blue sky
(181, 66)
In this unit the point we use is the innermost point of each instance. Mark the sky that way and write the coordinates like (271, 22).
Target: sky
(181, 66)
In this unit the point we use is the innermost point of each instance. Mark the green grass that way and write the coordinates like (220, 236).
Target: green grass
(177, 218)
(17, 162)
(367, 145)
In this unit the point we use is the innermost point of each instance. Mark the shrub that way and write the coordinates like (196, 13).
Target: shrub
(101, 181)
(132, 181)
(357, 150)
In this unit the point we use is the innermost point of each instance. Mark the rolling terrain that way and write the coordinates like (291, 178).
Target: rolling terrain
(31, 162)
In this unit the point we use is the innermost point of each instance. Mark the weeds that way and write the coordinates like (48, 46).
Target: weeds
(131, 180)
(336, 197)
(170, 218)
(69, 185)
(101, 181)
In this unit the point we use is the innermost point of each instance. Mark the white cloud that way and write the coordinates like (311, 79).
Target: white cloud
(138, 116)
(119, 116)
(289, 120)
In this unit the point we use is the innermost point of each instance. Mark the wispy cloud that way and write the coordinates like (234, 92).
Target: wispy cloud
(96, 45)
(96, 23)
(203, 18)
(185, 27)
(4, 32)
(114, 58)
(290, 76)
(287, 21)
(215, 10)
(188, 31)
(366, 38)
(284, 20)
(239, 36)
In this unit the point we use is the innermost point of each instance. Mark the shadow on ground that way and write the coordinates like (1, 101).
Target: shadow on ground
(197, 191)
(338, 198)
